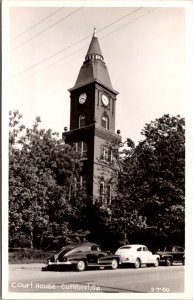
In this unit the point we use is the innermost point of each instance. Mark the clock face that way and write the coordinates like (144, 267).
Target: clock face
(82, 98)
(105, 100)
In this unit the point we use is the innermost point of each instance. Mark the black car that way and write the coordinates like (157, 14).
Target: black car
(82, 256)
(171, 254)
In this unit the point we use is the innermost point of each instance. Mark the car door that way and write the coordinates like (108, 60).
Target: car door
(93, 255)
(178, 253)
(141, 255)
(146, 255)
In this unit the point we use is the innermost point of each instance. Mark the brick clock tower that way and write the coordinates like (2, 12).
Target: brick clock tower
(92, 120)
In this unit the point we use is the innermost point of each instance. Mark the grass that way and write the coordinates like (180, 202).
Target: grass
(28, 256)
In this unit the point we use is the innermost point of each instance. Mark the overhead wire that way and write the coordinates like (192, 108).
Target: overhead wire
(61, 59)
(70, 46)
(64, 18)
(31, 27)
(128, 23)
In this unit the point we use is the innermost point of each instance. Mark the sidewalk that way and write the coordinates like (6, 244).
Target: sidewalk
(33, 266)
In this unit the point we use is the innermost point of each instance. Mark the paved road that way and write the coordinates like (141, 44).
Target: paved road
(30, 278)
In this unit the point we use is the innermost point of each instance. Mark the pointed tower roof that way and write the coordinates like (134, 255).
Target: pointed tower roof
(94, 47)
(94, 68)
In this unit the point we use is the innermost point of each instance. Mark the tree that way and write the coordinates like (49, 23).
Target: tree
(121, 215)
(156, 178)
(42, 170)
(148, 181)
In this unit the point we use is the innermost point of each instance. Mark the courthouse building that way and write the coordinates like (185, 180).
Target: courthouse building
(92, 120)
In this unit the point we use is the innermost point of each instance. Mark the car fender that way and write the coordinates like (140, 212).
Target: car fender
(110, 257)
(156, 256)
(167, 256)
(74, 259)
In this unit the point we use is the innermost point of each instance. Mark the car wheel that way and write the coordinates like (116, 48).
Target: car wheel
(137, 263)
(156, 263)
(168, 262)
(114, 264)
(80, 266)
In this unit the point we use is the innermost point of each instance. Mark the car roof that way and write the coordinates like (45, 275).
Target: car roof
(73, 245)
(133, 245)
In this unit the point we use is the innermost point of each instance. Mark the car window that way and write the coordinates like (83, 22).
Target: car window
(168, 248)
(75, 250)
(139, 249)
(84, 249)
(145, 249)
(179, 249)
(95, 248)
(66, 249)
(125, 247)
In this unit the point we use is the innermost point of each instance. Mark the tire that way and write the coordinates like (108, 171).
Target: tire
(156, 263)
(168, 262)
(137, 263)
(80, 266)
(114, 264)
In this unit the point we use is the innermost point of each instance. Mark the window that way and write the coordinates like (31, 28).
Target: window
(105, 121)
(81, 147)
(102, 190)
(79, 184)
(82, 120)
(108, 194)
(95, 248)
(139, 249)
(107, 154)
(179, 249)
(125, 247)
(83, 182)
(105, 193)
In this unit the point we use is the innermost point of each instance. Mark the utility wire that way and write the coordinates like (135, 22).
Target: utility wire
(70, 46)
(119, 19)
(47, 67)
(31, 27)
(64, 18)
(128, 23)
(80, 49)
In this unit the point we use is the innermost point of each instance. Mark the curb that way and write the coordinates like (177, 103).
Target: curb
(26, 266)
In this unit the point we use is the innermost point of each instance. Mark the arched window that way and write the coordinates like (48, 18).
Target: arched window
(82, 120)
(106, 154)
(105, 121)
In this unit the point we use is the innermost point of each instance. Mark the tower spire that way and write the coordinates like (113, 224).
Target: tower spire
(94, 68)
(94, 32)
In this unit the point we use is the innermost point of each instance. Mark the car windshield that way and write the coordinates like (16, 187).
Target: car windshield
(167, 248)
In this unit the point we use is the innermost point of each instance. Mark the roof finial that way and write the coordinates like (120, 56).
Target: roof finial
(94, 33)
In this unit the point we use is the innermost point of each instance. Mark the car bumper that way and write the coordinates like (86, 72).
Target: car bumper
(162, 260)
(58, 263)
(127, 260)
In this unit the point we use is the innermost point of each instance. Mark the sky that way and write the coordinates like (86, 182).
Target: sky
(143, 48)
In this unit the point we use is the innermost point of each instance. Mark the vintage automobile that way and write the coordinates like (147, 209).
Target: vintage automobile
(82, 256)
(137, 255)
(171, 254)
